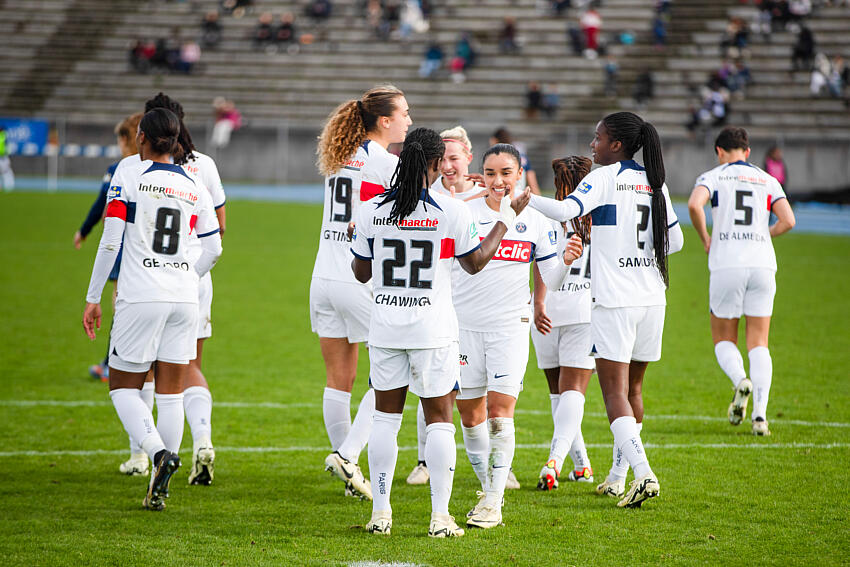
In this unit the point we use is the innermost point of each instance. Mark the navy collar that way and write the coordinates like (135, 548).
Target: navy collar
(741, 162)
(630, 164)
(157, 166)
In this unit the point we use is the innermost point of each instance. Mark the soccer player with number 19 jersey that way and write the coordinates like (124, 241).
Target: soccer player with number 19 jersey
(156, 207)
(742, 264)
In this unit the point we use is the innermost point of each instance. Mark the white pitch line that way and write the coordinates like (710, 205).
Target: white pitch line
(519, 411)
(224, 450)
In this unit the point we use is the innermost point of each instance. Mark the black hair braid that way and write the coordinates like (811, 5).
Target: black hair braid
(569, 171)
(633, 132)
(184, 139)
(421, 147)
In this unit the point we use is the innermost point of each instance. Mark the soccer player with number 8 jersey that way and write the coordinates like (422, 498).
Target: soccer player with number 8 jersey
(157, 208)
(742, 264)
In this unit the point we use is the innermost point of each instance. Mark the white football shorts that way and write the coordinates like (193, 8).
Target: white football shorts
(492, 362)
(623, 334)
(205, 296)
(340, 309)
(427, 372)
(734, 292)
(145, 332)
(568, 346)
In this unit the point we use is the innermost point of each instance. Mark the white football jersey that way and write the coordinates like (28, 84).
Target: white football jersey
(164, 208)
(497, 298)
(741, 198)
(618, 197)
(570, 304)
(364, 176)
(411, 269)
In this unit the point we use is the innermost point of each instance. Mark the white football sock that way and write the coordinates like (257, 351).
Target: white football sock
(170, 420)
(578, 453)
(554, 400)
(361, 428)
(761, 372)
(146, 394)
(730, 361)
(197, 404)
(441, 455)
(137, 419)
(567, 424)
(336, 408)
(383, 453)
(619, 466)
(421, 433)
(477, 443)
(502, 446)
(627, 438)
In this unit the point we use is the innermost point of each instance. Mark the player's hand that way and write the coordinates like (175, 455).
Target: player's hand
(452, 191)
(706, 246)
(91, 319)
(350, 230)
(573, 250)
(471, 195)
(477, 177)
(507, 214)
(78, 239)
(541, 321)
(521, 201)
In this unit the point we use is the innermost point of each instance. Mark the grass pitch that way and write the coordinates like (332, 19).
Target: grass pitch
(726, 496)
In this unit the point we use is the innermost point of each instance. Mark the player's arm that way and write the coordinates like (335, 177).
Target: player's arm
(785, 218)
(475, 260)
(221, 215)
(531, 179)
(361, 247)
(696, 209)
(541, 321)
(554, 269)
(209, 235)
(96, 212)
(591, 192)
(107, 251)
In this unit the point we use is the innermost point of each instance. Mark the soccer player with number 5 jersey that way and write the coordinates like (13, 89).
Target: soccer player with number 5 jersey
(742, 265)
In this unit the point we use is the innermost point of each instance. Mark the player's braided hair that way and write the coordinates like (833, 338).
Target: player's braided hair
(184, 152)
(569, 171)
(349, 125)
(422, 148)
(635, 133)
(161, 128)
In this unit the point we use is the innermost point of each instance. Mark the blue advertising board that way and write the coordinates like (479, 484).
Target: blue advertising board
(25, 136)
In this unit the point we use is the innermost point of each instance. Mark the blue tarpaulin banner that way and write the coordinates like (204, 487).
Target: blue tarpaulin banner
(25, 136)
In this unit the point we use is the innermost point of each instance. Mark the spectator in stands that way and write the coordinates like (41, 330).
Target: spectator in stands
(431, 61)
(264, 32)
(659, 32)
(319, 10)
(575, 39)
(284, 34)
(612, 71)
(463, 59)
(799, 10)
(551, 100)
(775, 166)
(763, 22)
(714, 108)
(837, 77)
(644, 88)
(141, 53)
(803, 54)
(412, 20)
(662, 8)
(533, 100)
(560, 6)
(735, 39)
(227, 119)
(507, 36)
(235, 8)
(166, 55)
(190, 54)
(821, 71)
(591, 23)
(210, 29)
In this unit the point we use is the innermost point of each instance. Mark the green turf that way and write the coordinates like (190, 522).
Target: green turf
(765, 502)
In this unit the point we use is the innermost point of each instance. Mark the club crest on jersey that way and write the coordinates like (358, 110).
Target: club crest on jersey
(520, 227)
(553, 238)
(584, 187)
(114, 192)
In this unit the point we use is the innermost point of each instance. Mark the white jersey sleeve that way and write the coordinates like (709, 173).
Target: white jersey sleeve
(204, 168)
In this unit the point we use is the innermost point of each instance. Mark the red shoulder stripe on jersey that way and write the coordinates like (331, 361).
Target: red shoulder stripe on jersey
(117, 209)
(369, 190)
(768, 202)
(447, 248)
(192, 221)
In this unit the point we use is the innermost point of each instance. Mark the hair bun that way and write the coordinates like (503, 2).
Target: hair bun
(415, 146)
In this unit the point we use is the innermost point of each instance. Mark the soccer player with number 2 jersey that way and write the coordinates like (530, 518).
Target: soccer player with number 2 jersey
(742, 265)
(634, 228)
